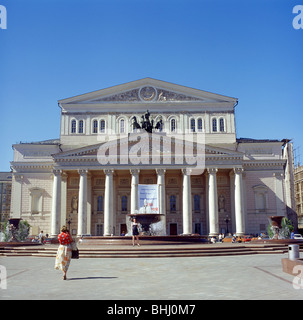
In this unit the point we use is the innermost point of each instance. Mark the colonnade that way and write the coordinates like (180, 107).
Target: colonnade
(84, 217)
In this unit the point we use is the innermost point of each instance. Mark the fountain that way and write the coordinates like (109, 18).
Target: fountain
(276, 225)
(148, 222)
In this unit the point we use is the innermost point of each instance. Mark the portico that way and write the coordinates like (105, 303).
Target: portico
(118, 189)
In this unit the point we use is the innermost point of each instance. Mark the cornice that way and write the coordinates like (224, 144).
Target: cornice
(263, 163)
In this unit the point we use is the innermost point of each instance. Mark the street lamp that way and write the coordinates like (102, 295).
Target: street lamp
(69, 221)
(227, 220)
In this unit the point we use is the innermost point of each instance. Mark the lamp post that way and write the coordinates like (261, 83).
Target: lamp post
(227, 220)
(69, 221)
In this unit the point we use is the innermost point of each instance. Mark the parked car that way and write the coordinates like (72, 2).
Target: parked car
(298, 236)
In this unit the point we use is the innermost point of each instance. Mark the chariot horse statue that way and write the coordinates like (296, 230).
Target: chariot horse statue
(146, 123)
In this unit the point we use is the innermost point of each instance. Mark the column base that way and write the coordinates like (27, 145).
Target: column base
(240, 234)
(213, 234)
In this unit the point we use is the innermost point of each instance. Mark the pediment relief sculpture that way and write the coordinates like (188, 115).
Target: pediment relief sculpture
(146, 94)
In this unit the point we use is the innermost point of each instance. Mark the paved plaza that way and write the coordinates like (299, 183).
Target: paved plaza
(194, 278)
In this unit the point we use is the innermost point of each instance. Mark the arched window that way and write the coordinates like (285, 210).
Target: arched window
(200, 125)
(124, 204)
(173, 125)
(197, 202)
(214, 125)
(74, 126)
(80, 126)
(122, 126)
(95, 126)
(102, 126)
(100, 204)
(222, 129)
(173, 203)
(192, 125)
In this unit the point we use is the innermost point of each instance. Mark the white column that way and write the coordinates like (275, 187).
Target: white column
(89, 205)
(187, 205)
(161, 186)
(239, 205)
(63, 199)
(213, 202)
(56, 203)
(108, 202)
(281, 210)
(134, 198)
(82, 205)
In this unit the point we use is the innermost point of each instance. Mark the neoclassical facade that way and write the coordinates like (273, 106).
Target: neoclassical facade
(209, 181)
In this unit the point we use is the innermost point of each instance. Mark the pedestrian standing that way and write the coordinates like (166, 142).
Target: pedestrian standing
(135, 232)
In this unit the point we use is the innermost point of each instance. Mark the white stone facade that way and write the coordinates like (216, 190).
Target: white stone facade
(88, 177)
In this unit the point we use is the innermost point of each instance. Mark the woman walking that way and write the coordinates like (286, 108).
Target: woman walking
(135, 232)
(64, 253)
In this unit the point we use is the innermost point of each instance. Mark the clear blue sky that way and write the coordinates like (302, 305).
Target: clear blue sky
(55, 49)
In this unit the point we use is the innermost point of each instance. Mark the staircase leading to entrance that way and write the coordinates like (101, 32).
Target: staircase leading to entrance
(149, 251)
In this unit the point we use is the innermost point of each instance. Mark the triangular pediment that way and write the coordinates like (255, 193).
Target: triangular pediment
(148, 145)
(147, 90)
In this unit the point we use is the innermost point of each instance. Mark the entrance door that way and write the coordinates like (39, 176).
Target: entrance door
(99, 229)
(173, 229)
(198, 228)
(123, 229)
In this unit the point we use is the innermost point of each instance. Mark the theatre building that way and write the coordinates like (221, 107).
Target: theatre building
(209, 181)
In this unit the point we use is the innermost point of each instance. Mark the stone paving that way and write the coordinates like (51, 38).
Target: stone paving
(196, 278)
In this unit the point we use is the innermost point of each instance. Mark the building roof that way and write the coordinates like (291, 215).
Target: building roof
(250, 140)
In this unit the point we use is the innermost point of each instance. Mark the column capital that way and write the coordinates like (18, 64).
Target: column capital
(18, 177)
(212, 170)
(238, 170)
(109, 172)
(279, 175)
(161, 172)
(83, 172)
(186, 171)
(134, 171)
(57, 172)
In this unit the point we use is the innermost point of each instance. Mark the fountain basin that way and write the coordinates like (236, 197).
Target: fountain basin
(146, 220)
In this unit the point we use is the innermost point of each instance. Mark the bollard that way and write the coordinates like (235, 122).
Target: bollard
(293, 252)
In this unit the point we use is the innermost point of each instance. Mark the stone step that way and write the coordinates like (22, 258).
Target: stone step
(149, 251)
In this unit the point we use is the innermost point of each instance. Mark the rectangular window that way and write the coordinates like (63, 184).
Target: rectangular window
(100, 204)
(124, 204)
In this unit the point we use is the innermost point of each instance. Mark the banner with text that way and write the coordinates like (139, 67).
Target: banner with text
(148, 198)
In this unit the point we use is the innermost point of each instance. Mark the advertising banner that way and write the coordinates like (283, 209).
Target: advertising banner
(148, 198)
